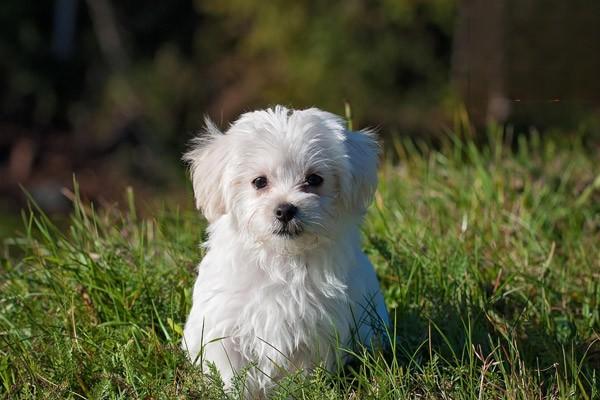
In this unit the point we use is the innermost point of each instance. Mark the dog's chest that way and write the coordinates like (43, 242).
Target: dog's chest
(291, 322)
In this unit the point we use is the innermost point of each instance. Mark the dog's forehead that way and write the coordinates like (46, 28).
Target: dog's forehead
(289, 151)
(281, 133)
(287, 140)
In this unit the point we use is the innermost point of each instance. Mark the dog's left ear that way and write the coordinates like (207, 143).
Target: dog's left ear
(362, 153)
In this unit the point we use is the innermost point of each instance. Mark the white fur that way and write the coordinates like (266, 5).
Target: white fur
(270, 304)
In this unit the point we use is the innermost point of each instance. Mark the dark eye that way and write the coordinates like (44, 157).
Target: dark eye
(260, 182)
(314, 180)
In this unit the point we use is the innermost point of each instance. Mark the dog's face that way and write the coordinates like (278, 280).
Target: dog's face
(288, 179)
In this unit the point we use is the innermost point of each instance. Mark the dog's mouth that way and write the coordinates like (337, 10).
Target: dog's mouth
(289, 231)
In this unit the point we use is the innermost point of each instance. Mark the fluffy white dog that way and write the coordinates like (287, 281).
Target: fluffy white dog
(284, 285)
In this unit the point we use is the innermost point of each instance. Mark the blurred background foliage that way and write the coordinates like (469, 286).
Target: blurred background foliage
(112, 91)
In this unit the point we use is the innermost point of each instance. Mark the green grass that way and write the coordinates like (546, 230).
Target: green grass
(489, 258)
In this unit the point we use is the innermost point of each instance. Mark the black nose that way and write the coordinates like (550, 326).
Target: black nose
(285, 212)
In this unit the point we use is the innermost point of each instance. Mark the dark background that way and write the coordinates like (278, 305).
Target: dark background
(111, 91)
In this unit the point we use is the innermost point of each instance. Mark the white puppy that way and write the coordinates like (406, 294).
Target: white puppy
(284, 284)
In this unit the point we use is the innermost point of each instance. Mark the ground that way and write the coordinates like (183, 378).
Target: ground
(488, 254)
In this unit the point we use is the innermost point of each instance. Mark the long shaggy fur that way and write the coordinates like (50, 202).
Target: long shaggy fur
(266, 303)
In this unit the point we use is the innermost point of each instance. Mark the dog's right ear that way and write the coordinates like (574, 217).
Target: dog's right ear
(207, 160)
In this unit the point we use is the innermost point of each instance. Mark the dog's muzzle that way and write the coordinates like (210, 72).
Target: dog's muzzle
(289, 225)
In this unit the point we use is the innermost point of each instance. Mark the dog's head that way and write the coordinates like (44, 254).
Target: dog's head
(287, 178)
